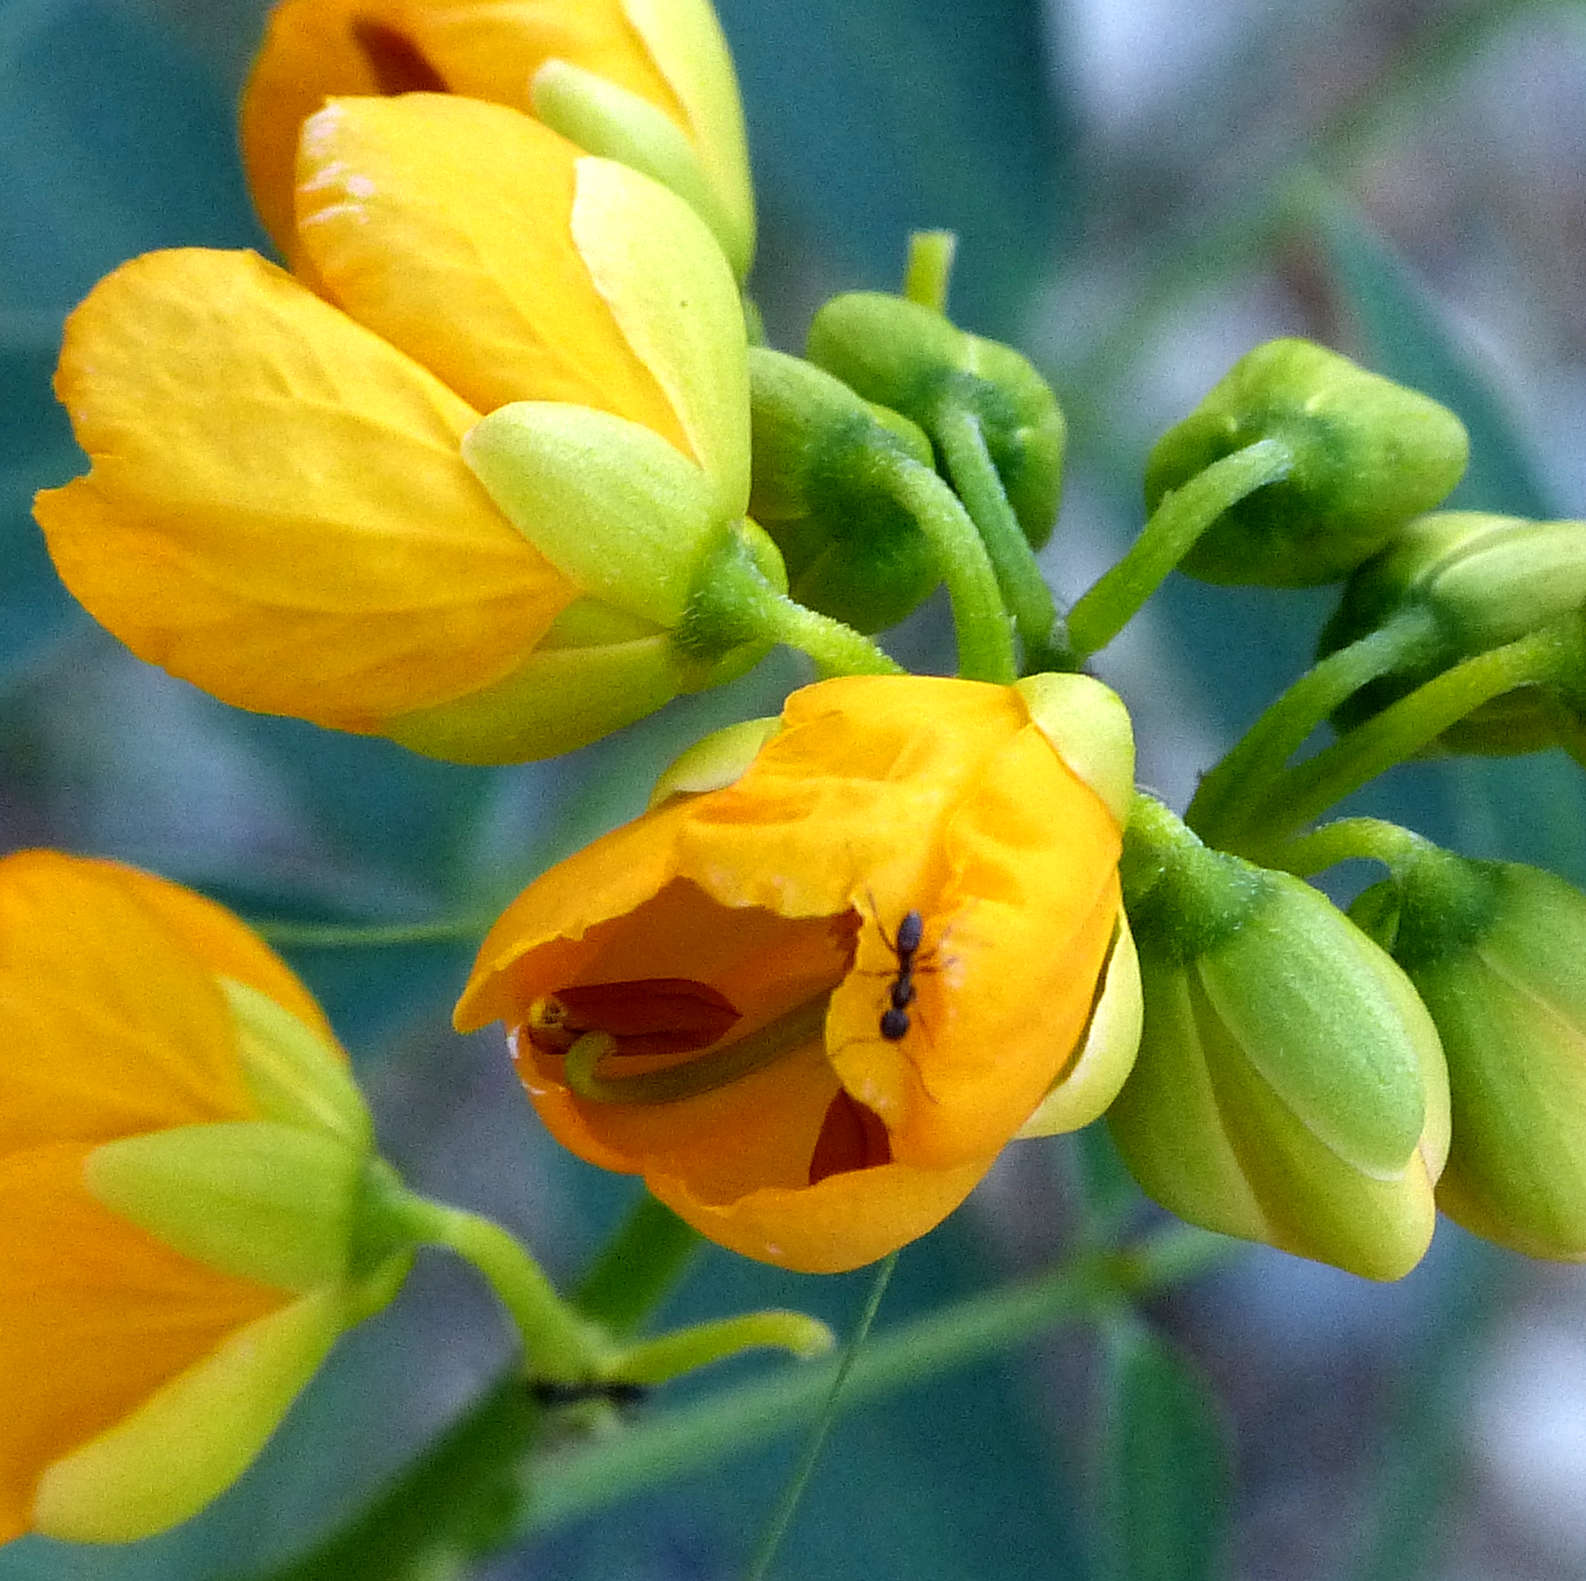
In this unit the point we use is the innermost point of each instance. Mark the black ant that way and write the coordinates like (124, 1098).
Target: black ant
(894, 1025)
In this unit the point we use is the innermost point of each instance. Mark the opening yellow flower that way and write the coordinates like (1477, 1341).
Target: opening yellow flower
(180, 1148)
(279, 509)
(811, 1005)
(646, 81)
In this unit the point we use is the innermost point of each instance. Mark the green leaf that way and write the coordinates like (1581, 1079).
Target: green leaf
(1406, 334)
(1165, 1479)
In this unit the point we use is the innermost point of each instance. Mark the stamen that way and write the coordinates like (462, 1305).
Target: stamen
(718, 1068)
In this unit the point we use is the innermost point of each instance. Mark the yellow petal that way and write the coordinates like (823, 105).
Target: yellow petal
(110, 1023)
(445, 224)
(195, 1436)
(318, 49)
(676, 303)
(278, 509)
(95, 1317)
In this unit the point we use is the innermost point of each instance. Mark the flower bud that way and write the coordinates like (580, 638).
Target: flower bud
(190, 1201)
(1494, 949)
(1482, 581)
(909, 357)
(1368, 455)
(822, 459)
(1289, 1086)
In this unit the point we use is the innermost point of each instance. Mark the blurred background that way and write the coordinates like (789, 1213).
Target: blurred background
(1143, 190)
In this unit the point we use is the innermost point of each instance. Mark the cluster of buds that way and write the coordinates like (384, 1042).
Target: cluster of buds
(492, 468)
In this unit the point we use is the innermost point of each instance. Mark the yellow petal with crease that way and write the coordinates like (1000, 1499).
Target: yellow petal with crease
(95, 1316)
(445, 225)
(278, 509)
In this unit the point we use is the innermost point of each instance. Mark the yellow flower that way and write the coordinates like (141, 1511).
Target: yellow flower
(810, 1004)
(646, 81)
(181, 1147)
(279, 510)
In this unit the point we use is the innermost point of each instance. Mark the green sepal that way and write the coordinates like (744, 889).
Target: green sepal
(1495, 950)
(1290, 1087)
(607, 119)
(909, 357)
(614, 507)
(1485, 580)
(1091, 731)
(1368, 456)
(294, 1075)
(822, 459)
(715, 761)
(1106, 1053)
(253, 1198)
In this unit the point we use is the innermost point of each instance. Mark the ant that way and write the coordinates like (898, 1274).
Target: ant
(894, 1024)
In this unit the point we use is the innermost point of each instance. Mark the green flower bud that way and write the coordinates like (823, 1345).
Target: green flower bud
(822, 458)
(1479, 581)
(910, 358)
(1495, 950)
(1289, 1087)
(1368, 455)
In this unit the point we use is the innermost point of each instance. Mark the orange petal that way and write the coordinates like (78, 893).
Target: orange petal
(445, 224)
(318, 49)
(846, 1221)
(111, 1021)
(95, 1315)
(278, 509)
(1016, 935)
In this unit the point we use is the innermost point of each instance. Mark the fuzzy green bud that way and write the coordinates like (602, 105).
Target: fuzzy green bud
(906, 356)
(1289, 1088)
(1495, 950)
(1368, 456)
(1479, 581)
(822, 462)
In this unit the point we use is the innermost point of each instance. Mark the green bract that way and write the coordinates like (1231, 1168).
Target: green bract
(1289, 1087)
(1497, 951)
(1477, 581)
(910, 358)
(823, 460)
(1368, 455)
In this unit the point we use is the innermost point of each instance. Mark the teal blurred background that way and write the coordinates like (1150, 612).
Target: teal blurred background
(1143, 190)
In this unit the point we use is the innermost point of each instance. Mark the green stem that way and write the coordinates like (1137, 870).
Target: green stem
(371, 935)
(690, 1439)
(465, 1494)
(1178, 522)
(930, 268)
(1350, 840)
(782, 1516)
(733, 603)
(985, 637)
(637, 1268)
(558, 1345)
(1403, 728)
(669, 1356)
(1237, 785)
(836, 648)
(957, 430)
